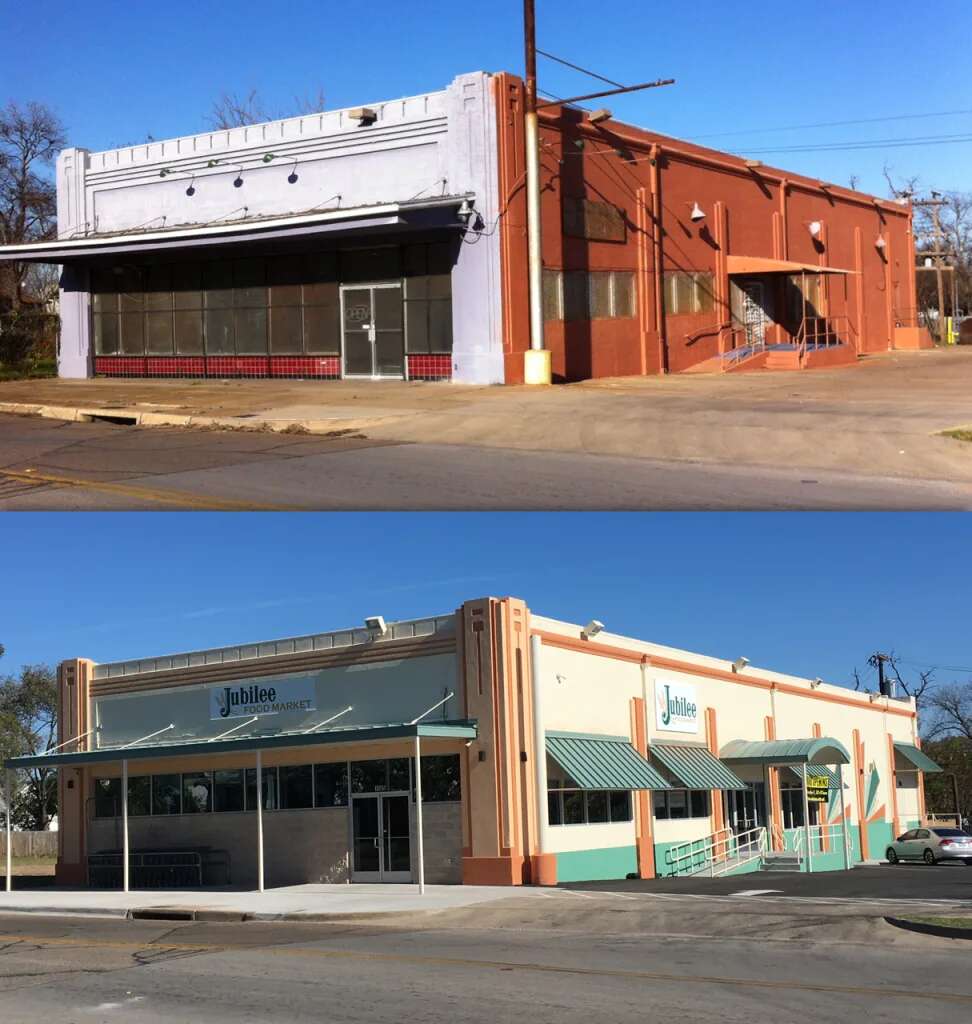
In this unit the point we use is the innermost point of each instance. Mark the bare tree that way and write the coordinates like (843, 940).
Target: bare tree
(953, 710)
(921, 686)
(30, 137)
(235, 110)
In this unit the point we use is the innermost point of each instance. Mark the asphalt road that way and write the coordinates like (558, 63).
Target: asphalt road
(78, 971)
(50, 465)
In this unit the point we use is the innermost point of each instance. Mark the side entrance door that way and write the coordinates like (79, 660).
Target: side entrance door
(754, 315)
(373, 334)
(381, 841)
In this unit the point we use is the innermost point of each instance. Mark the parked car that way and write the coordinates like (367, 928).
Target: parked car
(932, 845)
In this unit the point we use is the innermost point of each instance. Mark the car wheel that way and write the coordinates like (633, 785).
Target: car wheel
(928, 857)
(892, 856)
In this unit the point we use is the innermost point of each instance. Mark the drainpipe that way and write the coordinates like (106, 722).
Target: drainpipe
(539, 746)
(657, 247)
(419, 837)
(124, 808)
(8, 792)
(536, 361)
(806, 819)
(259, 818)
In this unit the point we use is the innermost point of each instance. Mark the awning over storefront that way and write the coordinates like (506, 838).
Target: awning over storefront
(602, 762)
(695, 767)
(909, 758)
(763, 265)
(813, 750)
(461, 730)
(433, 213)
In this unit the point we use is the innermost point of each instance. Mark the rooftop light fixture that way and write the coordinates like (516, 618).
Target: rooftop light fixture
(814, 683)
(165, 172)
(739, 664)
(211, 163)
(267, 157)
(751, 164)
(376, 624)
(602, 114)
(592, 629)
(363, 115)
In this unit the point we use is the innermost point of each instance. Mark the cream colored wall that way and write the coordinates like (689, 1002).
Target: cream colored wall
(568, 838)
(584, 694)
(908, 806)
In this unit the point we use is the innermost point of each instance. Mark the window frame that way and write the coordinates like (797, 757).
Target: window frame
(559, 795)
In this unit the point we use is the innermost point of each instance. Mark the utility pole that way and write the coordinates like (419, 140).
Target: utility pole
(877, 660)
(935, 204)
(536, 363)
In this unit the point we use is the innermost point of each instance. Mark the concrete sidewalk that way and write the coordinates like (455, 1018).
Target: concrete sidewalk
(289, 903)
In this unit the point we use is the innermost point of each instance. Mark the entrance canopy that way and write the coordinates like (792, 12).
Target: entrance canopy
(695, 767)
(438, 212)
(461, 730)
(762, 265)
(814, 750)
(909, 758)
(602, 762)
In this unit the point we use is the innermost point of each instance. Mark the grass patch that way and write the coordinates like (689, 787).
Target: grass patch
(959, 434)
(42, 368)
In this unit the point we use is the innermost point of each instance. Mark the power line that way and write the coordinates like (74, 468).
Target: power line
(577, 67)
(833, 124)
(836, 147)
(931, 665)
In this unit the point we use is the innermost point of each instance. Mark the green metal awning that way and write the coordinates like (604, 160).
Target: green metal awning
(695, 767)
(813, 750)
(819, 770)
(463, 729)
(602, 762)
(917, 759)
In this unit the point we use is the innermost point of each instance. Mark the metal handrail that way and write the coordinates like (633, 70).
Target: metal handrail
(823, 332)
(817, 835)
(718, 852)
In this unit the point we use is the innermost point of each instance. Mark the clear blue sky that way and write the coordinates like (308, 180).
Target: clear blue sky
(810, 594)
(117, 70)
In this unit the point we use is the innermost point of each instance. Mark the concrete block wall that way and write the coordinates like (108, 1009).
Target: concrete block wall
(442, 838)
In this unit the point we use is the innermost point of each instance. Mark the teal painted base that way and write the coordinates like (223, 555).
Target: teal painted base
(879, 835)
(596, 865)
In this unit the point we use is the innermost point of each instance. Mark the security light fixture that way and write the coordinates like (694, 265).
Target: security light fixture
(814, 683)
(238, 180)
(929, 262)
(697, 213)
(592, 629)
(191, 190)
(465, 211)
(739, 664)
(376, 624)
(880, 243)
(363, 115)
(872, 697)
(267, 157)
(292, 177)
(815, 227)
(602, 114)
(752, 164)
(211, 163)
(165, 172)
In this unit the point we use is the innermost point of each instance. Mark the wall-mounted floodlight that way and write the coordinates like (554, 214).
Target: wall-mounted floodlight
(592, 629)
(602, 114)
(739, 664)
(751, 164)
(814, 683)
(165, 172)
(697, 213)
(815, 227)
(211, 163)
(872, 697)
(238, 180)
(267, 157)
(880, 244)
(376, 624)
(465, 211)
(363, 115)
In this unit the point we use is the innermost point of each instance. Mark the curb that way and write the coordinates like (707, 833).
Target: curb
(941, 931)
(138, 418)
(211, 914)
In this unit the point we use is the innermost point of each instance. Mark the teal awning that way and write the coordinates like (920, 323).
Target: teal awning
(602, 762)
(916, 759)
(695, 767)
(813, 750)
(460, 730)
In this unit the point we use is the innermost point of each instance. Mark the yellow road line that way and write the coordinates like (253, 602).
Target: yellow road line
(501, 965)
(183, 499)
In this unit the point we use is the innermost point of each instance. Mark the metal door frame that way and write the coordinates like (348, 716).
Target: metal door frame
(384, 875)
(755, 284)
(372, 286)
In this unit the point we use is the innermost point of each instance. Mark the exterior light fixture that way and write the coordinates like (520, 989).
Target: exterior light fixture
(267, 157)
(814, 683)
(191, 190)
(872, 697)
(592, 629)
(815, 227)
(754, 163)
(880, 243)
(363, 115)
(165, 171)
(697, 213)
(376, 624)
(238, 180)
(739, 664)
(465, 211)
(929, 262)
(603, 114)
(292, 177)
(211, 163)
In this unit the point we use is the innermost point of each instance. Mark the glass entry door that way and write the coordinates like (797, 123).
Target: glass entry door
(746, 808)
(381, 845)
(373, 330)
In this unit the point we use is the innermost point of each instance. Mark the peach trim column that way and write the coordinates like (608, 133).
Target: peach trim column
(776, 801)
(717, 816)
(893, 777)
(644, 840)
(859, 790)
(921, 789)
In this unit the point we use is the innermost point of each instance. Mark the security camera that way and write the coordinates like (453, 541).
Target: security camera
(739, 664)
(592, 629)
(376, 624)
(697, 213)
(814, 683)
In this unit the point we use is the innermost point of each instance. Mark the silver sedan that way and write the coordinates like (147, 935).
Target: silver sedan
(932, 845)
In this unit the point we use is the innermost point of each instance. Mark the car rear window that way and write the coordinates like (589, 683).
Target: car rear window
(949, 832)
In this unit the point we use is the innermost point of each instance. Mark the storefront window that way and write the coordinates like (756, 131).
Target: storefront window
(331, 785)
(297, 786)
(166, 794)
(107, 798)
(681, 803)
(270, 801)
(228, 790)
(197, 789)
(441, 778)
(590, 807)
(140, 796)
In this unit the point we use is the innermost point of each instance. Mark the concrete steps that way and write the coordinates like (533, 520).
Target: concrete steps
(781, 862)
(782, 359)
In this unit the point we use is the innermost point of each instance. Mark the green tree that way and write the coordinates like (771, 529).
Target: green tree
(28, 725)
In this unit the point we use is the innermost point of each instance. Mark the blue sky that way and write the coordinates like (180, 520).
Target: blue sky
(810, 594)
(117, 70)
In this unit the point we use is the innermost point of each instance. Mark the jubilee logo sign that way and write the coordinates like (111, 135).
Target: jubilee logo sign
(676, 707)
(249, 699)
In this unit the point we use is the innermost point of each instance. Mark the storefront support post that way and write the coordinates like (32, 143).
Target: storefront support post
(806, 819)
(259, 818)
(419, 839)
(124, 816)
(539, 746)
(843, 820)
(8, 794)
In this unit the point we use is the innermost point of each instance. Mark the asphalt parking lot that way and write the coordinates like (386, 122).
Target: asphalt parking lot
(878, 882)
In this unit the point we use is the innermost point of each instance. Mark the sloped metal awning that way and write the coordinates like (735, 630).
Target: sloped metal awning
(462, 730)
(695, 767)
(812, 750)
(914, 759)
(437, 212)
(602, 762)
(764, 265)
